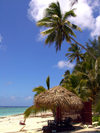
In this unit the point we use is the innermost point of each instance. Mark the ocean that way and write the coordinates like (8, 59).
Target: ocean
(6, 111)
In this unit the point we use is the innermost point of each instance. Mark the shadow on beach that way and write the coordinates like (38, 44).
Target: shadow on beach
(79, 129)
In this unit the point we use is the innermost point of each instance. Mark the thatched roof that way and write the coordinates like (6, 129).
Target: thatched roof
(58, 96)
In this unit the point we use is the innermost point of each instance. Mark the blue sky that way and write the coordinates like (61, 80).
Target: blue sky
(25, 61)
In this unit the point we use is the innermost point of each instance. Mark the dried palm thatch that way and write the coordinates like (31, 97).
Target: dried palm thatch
(58, 96)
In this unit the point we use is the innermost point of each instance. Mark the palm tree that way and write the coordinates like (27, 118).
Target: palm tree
(33, 109)
(70, 82)
(84, 80)
(86, 74)
(40, 89)
(89, 73)
(94, 46)
(74, 53)
(58, 28)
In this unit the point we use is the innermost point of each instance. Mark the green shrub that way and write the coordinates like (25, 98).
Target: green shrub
(95, 118)
(99, 123)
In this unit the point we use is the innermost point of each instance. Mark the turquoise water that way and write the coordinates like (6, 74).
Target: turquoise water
(5, 111)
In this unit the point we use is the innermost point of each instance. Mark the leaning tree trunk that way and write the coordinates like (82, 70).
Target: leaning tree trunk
(83, 47)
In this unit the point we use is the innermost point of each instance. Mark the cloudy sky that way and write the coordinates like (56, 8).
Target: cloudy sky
(25, 61)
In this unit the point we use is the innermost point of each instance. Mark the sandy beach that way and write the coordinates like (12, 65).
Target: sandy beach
(10, 124)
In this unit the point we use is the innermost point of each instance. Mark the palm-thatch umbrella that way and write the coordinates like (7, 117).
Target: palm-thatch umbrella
(58, 98)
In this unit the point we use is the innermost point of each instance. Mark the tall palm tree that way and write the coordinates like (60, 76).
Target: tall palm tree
(58, 28)
(74, 53)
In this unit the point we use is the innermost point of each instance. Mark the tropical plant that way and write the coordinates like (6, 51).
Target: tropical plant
(40, 89)
(89, 77)
(58, 28)
(33, 109)
(86, 75)
(48, 82)
(94, 46)
(70, 82)
(74, 53)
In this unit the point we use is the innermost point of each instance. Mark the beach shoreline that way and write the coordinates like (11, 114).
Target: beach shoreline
(10, 115)
(34, 124)
(11, 123)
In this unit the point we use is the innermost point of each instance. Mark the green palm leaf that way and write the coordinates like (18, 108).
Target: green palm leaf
(50, 38)
(48, 31)
(48, 82)
(38, 90)
(69, 14)
(33, 110)
(60, 28)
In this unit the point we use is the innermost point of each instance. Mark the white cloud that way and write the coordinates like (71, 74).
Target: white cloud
(65, 64)
(85, 10)
(28, 98)
(84, 16)
(37, 7)
(40, 36)
(96, 31)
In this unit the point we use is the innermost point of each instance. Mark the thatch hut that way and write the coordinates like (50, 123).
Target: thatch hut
(58, 98)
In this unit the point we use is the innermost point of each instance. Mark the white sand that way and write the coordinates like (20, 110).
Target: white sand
(10, 124)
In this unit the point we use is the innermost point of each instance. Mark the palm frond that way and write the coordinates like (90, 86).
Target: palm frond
(54, 9)
(38, 90)
(33, 110)
(50, 38)
(73, 26)
(48, 82)
(48, 31)
(30, 110)
(44, 21)
(69, 14)
(68, 30)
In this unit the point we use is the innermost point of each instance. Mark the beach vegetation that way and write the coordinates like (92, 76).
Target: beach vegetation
(34, 109)
(74, 53)
(85, 77)
(58, 27)
(40, 89)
